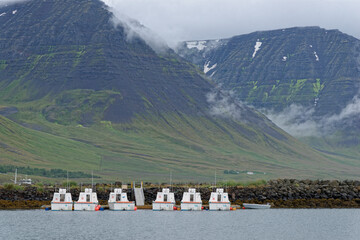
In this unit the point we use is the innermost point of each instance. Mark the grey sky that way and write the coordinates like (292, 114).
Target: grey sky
(176, 20)
(5, 2)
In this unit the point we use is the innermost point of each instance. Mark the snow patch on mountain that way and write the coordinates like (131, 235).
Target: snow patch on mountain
(207, 68)
(200, 45)
(14, 12)
(316, 57)
(3, 14)
(316, 101)
(284, 58)
(257, 47)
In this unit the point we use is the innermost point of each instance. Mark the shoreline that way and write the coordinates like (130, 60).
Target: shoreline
(275, 204)
(282, 193)
(36, 205)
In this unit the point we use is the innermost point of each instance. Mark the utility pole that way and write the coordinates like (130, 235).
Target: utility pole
(15, 180)
(92, 180)
(170, 180)
(215, 178)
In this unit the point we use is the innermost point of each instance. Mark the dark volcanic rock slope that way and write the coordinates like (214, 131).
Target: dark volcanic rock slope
(71, 53)
(48, 47)
(309, 66)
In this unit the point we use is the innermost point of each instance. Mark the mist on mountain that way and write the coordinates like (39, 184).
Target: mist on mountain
(135, 29)
(300, 121)
(224, 104)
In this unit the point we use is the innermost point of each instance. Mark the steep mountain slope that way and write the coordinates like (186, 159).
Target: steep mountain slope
(48, 47)
(71, 53)
(307, 80)
(68, 71)
(309, 66)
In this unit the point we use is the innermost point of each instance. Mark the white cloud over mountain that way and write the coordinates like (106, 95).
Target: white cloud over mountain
(176, 20)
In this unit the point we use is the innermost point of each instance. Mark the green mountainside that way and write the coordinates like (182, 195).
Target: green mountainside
(77, 94)
(50, 47)
(149, 149)
(305, 79)
(274, 69)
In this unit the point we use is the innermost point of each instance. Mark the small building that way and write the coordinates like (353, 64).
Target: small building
(219, 201)
(62, 201)
(191, 201)
(87, 201)
(118, 201)
(25, 181)
(165, 201)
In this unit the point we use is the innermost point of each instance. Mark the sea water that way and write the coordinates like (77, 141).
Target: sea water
(269, 224)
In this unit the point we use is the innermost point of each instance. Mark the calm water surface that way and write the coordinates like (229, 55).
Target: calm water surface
(241, 224)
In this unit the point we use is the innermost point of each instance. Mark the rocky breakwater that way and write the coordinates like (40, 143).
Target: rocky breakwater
(283, 193)
(33, 197)
(18, 197)
(291, 193)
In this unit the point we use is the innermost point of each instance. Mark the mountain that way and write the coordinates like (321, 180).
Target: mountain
(68, 74)
(305, 78)
(52, 47)
(274, 69)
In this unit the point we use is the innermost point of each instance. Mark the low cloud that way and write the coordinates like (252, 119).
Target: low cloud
(296, 120)
(134, 29)
(179, 20)
(300, 121)
(347, 115)
(223, 104)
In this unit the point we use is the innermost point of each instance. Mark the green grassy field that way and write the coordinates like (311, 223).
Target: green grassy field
(148, 148)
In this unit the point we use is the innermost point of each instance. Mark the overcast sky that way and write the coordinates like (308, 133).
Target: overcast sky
(176, 20)
(5, 2)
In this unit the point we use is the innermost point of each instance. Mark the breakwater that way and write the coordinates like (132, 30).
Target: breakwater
(284, 193)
